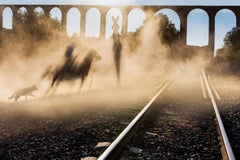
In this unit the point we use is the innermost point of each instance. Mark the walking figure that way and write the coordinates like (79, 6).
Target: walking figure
(117, 47)
(115, 26)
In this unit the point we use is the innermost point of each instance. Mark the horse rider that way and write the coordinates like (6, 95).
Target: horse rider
(69, 59)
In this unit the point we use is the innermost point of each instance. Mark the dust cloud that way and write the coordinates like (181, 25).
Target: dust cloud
(144, 63)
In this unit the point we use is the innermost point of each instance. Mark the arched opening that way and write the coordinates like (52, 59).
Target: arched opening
(136, 18)
(198, 28)
(114, 12)
(56, 18)
(22, 10)
(73, 22)
(22, 15)
(93, 22)
(7, 17)
(172, 16)
(39, 12)
(225, 20)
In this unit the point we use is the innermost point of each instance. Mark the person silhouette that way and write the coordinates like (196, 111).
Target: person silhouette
(115, 26)
(117, 46)
(69, 59)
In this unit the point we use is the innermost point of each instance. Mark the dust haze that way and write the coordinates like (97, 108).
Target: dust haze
(145, 61)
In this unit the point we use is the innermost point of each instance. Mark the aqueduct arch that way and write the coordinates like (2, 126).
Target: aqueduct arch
(196, 22)
(92, 28)
(136, 15)
(170, 14)
(73, 16)
(182, 11)
(4, 13)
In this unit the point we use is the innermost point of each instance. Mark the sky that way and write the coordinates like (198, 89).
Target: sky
(197, 19)
(126, 2)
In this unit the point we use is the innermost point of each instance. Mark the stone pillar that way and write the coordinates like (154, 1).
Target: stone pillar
(1, 19)
(125, 22)
(237, 20)
(47, 10)
(236, 11)
(64, 10)
(14, 12)
(103, 23)
(83, 22)
(29, 9)
(211, 38)
(183, 27)
(64, 22)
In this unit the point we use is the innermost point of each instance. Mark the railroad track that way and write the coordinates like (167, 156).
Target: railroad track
(179, 124)
(227, 149)
(159, 135)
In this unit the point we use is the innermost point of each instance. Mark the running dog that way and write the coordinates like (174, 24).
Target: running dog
(23, 92)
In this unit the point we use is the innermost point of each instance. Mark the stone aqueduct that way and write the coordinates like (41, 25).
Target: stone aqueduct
(182, 12)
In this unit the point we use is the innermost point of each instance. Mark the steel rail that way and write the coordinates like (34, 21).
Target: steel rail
(173, 83)
(113, 151)
(214, 90)
(219, 120)
(203, 88)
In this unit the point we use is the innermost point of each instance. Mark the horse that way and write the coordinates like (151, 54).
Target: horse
(77, 71)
